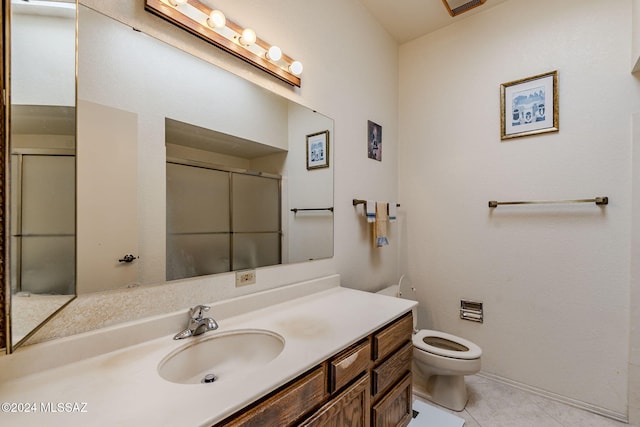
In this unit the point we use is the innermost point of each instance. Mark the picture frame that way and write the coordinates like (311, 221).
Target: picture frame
(318, 150)
(374, 141)
(529, 106)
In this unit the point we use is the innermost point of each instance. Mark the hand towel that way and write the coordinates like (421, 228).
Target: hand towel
(380, 225)
(370, 210)
(393, 211)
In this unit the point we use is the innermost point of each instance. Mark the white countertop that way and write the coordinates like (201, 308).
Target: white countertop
(123, 387)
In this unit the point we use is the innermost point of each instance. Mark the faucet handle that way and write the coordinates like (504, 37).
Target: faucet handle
(196, 312)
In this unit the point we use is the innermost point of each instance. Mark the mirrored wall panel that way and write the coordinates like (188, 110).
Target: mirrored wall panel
(144, 110)
(42, 158)
(205, 166)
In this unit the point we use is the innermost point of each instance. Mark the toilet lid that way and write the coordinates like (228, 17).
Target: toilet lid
(446, 345)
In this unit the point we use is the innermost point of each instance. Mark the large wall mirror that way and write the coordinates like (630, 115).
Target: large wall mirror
(41, 153)
(180, 169)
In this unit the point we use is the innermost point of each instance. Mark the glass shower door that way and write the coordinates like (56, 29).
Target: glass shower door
(44, 230)
(255, 221)
(198, 233)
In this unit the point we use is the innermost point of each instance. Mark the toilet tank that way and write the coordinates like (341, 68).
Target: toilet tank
(390, 291)
(394, 291)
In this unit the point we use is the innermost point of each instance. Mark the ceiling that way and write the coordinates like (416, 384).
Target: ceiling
(409, 19)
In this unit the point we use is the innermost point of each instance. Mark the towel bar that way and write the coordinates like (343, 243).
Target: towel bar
(296, 210)
(597, 200)
(357, 202)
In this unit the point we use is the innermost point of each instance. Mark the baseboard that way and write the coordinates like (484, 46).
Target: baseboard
(557, 397)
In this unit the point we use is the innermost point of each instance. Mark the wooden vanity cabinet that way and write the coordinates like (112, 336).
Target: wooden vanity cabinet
(366, 384)
(392, 355)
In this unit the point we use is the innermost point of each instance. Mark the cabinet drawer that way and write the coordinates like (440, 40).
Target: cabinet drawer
(395, 408)
(286, 406)
(390, 338)
(392, 369)
(348, 365)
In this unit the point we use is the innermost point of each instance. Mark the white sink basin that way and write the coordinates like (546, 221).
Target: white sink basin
(220, 356)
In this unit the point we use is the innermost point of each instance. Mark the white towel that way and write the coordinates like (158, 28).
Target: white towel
(370, 210)
(393, 211)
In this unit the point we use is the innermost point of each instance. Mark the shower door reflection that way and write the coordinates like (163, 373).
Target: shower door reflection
(42, 235)
(219, 221)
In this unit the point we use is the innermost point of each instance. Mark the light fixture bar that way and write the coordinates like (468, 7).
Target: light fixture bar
(253, 54)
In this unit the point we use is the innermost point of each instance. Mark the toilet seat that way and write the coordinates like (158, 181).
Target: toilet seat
(467, 351)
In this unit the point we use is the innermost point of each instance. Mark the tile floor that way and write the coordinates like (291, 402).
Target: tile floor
(494, 404)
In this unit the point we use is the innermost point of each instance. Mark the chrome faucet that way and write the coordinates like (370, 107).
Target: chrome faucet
(197, 324)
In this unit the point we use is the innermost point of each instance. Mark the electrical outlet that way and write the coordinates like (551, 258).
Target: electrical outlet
(246, 277)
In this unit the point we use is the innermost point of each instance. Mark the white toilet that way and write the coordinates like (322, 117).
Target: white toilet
(440, 362)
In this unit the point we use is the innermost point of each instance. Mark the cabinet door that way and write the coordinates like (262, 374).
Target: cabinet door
(349, 409)
(394, 410)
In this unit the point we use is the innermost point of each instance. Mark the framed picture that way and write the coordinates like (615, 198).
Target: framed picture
(318, 150)
(529, 106)
(374, 140)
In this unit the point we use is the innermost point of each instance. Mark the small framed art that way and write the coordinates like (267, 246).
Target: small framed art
(318, 150)
(529, 106)
(374, 140)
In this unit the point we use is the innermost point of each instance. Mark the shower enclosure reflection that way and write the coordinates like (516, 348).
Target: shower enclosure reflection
(220, 217)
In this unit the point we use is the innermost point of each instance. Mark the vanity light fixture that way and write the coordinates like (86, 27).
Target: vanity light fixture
(456, 7)
(296, 68)
(216, 19)
(248, 37)
(212, 26)
(274, 53)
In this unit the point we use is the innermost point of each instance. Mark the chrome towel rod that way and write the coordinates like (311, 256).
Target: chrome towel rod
(598, 201)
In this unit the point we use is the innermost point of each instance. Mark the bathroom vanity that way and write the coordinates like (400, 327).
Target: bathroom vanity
(368, 383)
(343, 357)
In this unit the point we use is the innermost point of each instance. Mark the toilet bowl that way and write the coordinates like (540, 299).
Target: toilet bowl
(440, 362)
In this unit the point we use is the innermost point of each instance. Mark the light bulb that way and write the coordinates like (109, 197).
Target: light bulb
(274, 53)
(177, 2)
(248, 37)
(216, 19)
(296, 68)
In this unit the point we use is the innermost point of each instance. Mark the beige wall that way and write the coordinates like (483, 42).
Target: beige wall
(554, 279)
(635, 53)
(634, 341)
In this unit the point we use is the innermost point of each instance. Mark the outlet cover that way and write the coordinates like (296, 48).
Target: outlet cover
(245, 277)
